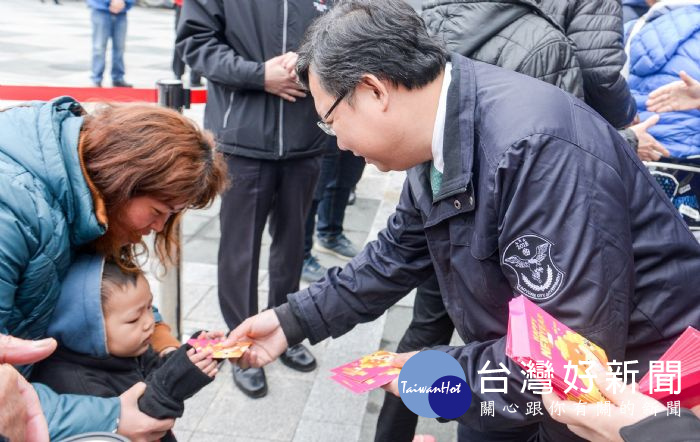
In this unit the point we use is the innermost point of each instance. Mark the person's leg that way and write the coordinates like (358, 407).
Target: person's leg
(294, 193)
(295, 187)
(178, 64)
(331, 210)
(244, 209)
(429, 327)
(195, 78)
(101, 25)
(328, 170)
(118, 45)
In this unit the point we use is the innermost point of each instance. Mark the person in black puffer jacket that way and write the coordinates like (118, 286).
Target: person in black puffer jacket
(511, 34)
(595, 27)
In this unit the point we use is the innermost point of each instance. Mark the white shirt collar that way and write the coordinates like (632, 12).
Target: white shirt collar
(439, 127)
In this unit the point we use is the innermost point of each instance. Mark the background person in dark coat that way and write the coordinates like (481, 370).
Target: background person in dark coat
(266, 126)
(622, 267)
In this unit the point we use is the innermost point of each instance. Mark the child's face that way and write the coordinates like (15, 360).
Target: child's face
(129, 319)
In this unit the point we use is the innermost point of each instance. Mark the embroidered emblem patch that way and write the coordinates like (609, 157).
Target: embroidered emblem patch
(529, 256)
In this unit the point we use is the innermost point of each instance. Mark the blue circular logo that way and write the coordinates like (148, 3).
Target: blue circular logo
(433, 384)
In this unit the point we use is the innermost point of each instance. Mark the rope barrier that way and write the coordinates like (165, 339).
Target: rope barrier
(87, 94)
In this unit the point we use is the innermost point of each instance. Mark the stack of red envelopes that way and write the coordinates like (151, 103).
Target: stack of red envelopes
(686, 350)
(367, 373)
(534, 336)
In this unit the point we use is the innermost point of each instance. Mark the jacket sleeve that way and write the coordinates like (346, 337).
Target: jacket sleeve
(555, 63)
(18, 240)
(595, 27)
(385, 271)
(588, 256)
(662, 427)
(170, 384)
(200, 39)
(70, 414)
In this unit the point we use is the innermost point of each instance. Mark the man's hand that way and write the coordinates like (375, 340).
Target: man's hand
(280, 78)
(604, 428)
(400, 359)
(116, 6)
(134, 424)
(268, 339)
(680, 95)
(648, 149)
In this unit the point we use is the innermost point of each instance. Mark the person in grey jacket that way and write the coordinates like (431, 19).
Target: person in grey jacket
(266, 127)
(499, 165)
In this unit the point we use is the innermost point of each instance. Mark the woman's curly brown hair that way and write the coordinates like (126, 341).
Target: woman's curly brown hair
(134, 150)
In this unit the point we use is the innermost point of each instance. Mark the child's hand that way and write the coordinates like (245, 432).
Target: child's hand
(204, 362)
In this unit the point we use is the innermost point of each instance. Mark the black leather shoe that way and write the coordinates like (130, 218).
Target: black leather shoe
(251, 381)
(298, 358)
(121, 83)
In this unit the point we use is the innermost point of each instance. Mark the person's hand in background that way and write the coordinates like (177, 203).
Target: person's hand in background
(116, 6)
(648, 148)
(280, 80)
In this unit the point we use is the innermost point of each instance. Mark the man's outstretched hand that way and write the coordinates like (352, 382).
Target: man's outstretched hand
(268, 339)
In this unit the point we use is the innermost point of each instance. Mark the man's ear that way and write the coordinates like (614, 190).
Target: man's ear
(377, 90)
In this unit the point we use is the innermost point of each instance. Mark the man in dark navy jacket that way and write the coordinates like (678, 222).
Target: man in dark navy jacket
(502, 170)
(266, 127)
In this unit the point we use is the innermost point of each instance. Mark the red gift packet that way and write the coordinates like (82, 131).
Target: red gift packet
(685, 349)
(535, 336)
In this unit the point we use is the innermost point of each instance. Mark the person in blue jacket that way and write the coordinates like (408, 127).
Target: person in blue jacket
(513, 188)
(668, 43)
(109, 22)
(100, 181)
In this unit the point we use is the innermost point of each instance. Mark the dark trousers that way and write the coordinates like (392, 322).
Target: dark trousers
(283, 191)
(429, 327)
(340, 172)
(178, 63)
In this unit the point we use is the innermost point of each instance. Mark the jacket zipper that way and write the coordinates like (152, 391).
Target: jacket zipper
(228, 109)
(284, 50)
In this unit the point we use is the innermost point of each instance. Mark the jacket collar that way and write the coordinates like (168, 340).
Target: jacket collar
(62, 117)
(456, 194)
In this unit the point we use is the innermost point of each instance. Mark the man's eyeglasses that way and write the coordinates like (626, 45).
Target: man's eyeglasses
(327, 128)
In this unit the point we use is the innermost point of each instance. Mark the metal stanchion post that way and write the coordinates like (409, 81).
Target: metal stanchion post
(171, 94)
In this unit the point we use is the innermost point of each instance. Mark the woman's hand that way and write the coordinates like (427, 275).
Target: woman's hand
(136, 425)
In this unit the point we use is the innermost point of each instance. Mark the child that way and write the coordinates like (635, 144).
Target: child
(103, 322)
